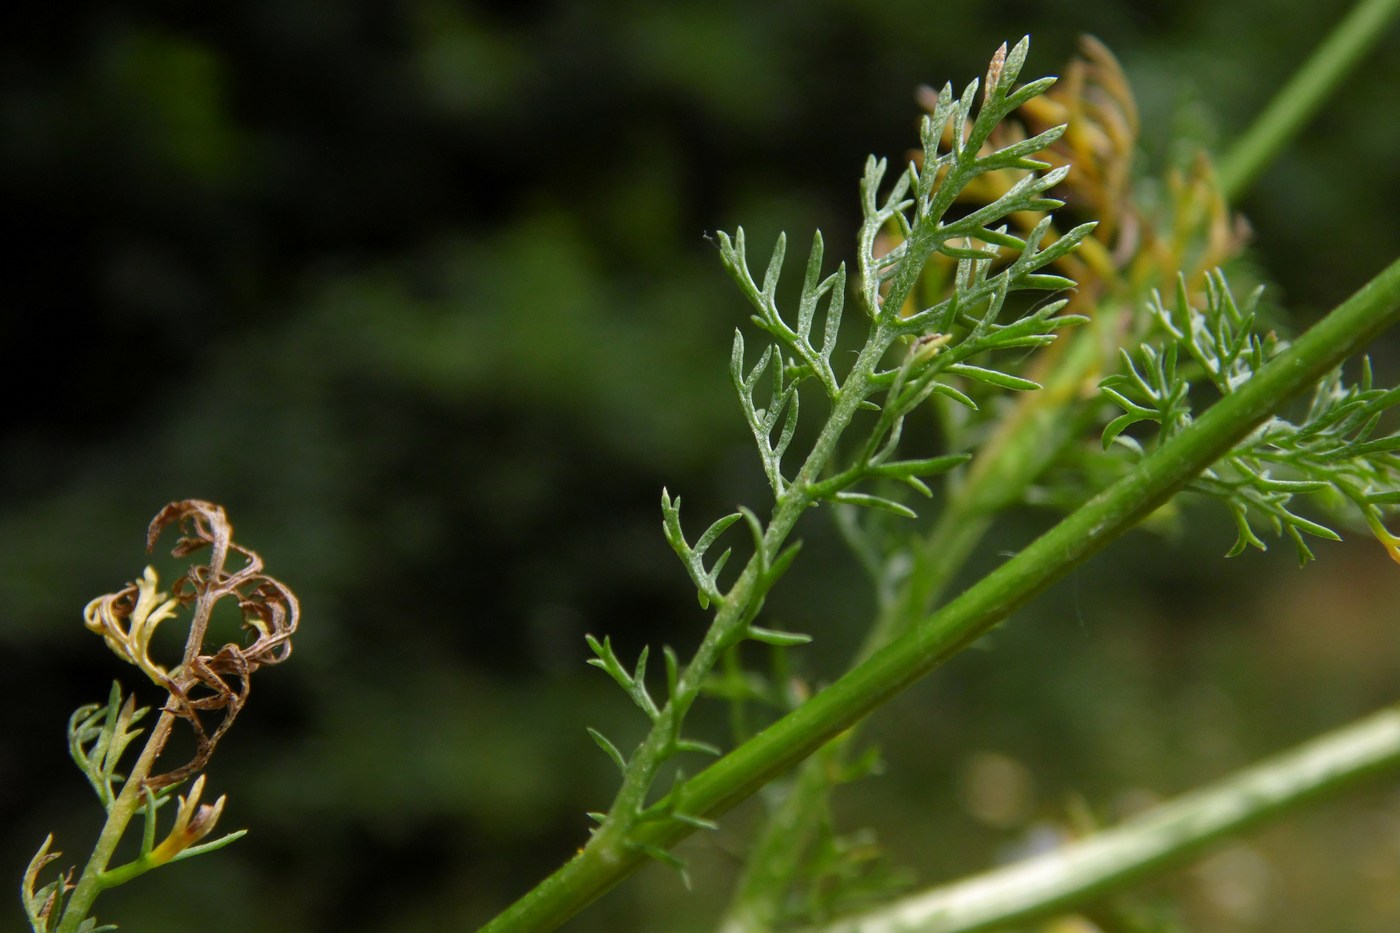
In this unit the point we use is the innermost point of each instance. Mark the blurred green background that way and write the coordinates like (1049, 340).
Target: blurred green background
(419, 292)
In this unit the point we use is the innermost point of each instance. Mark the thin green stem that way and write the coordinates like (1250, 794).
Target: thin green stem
(790, 830)
(743, 771)
(93, 880)
(612, 837)
(775, 859)
(1164, 838)
(1305, 93)
(937, 560)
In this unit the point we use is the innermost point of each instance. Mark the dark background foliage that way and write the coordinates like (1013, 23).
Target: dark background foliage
(419, 292)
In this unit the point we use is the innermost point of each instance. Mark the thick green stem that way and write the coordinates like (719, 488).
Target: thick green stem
(1164, 838)
(1305, 93)
(743, 771)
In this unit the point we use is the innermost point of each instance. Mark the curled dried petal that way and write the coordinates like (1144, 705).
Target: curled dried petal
(127, 619)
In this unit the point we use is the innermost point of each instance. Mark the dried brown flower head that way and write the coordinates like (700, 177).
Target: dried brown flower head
(213, 685)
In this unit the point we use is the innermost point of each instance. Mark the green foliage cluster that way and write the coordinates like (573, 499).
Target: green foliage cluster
(98, 736)
(1330, 452)
(308, 263)
(939, 341)
(1242, 453)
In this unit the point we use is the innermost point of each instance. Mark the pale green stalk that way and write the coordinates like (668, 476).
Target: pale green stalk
(1165, 837)
(1305, 93)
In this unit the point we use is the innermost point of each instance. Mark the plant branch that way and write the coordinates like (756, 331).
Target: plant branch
(1012, 458)
(969, 324)
(216, 682)
(1349, 328)
(1165, 837)
(92, 881)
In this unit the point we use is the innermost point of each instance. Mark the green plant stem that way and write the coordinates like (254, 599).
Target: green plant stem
(1011, 460)
(1019, 450)
(1014, 457)
(790, 829)
(1305, 93)
(93, 880)
(936, 561)
(775, 858)
(613, 837)
(1163, 838)
(743, 771)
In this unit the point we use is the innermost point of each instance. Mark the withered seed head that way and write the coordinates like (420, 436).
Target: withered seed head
(203, 681)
